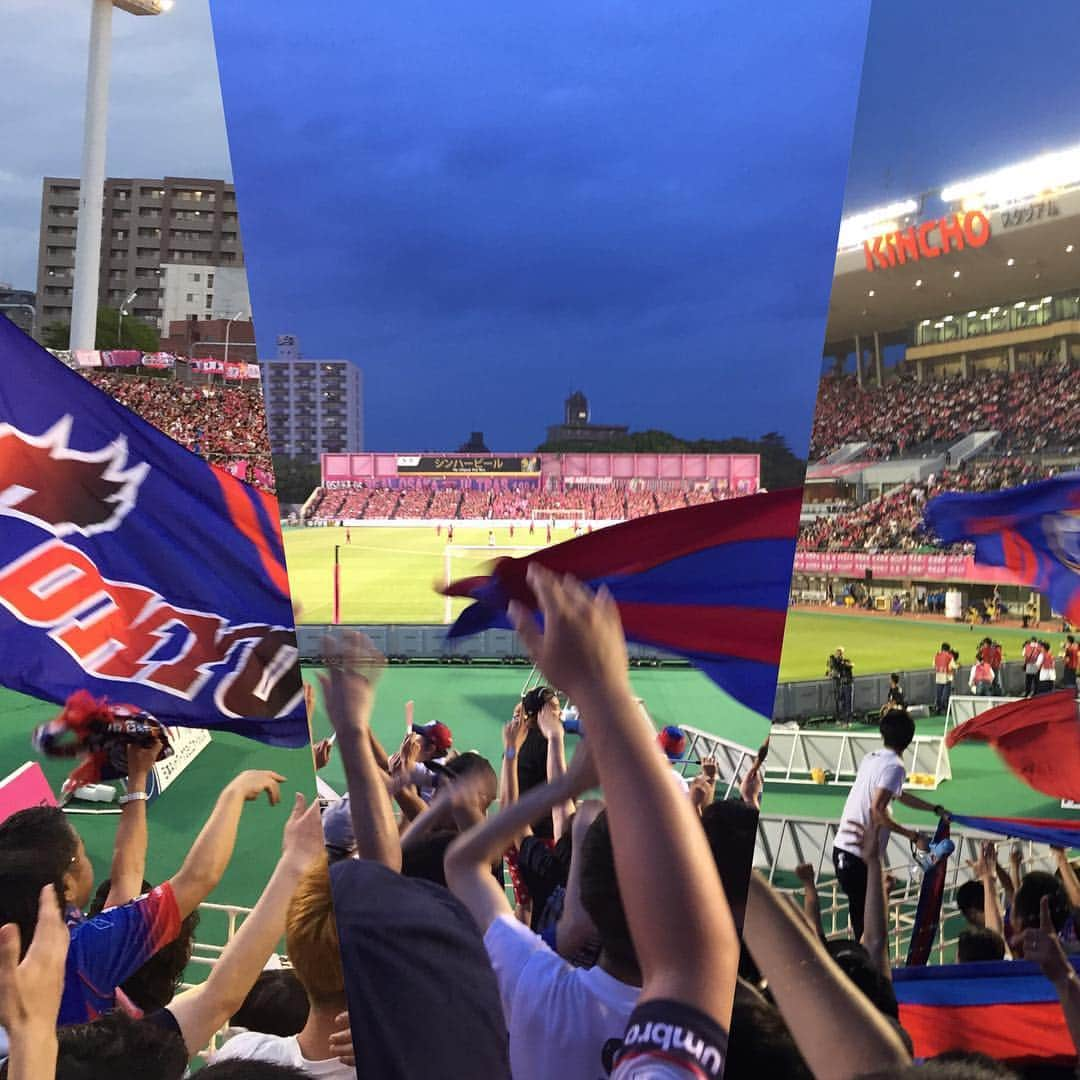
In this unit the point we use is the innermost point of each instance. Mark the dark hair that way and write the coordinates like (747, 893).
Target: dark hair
(276, 1005)
(534, 701)
(469, 762)
(251, 1069)
(115, 1046)
(856, 964)
(600, 895)
(424, 859)
(731, 829)
(944, 646)
(1033, 887)
(154, 984)
(760, 1043)
(980, 944)
(970, 896)
(897, 729)
(37, 848)
(894, 677)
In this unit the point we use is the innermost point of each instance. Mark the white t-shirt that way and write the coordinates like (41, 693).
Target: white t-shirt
(559, 1017)
(879, 769)
(254, 1046)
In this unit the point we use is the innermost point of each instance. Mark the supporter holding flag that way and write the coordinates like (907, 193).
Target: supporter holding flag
(1031, 665)
(39, 848)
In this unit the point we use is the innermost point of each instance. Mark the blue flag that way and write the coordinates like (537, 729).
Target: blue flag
(131, 568)
(1032, 530)
(709, 583)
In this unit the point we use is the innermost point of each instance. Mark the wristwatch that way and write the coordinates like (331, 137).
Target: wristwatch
(133, 796)
(510, 753)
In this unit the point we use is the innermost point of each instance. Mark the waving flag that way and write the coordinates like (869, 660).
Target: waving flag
(1039, 739)
(709, 583)
(928, 909)
(131, 568)
(1032, 530)
(1007, 1010)
(1063, 834)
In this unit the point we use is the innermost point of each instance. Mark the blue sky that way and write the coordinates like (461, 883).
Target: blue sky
(486, 206)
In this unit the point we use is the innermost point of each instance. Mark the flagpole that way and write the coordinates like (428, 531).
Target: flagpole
(337, 585)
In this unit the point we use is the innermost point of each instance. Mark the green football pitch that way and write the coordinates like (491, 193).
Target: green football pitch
(389, 575)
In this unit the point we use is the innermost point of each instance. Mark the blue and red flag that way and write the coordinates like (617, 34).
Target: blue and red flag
(1007, 1010)
(709, 583)
(928, 909)
(1033, 531)
(1039, 740)
(131, 568)
(1058, 833)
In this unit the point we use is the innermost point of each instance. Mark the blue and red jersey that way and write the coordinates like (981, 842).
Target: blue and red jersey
(109, 948)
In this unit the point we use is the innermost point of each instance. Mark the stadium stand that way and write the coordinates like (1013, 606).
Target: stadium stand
(223, 424)
(1034, 410)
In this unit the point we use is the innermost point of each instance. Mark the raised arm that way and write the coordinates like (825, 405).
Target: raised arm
(201, 1011)
(513, 739)
(875, 937)
(30, 991)
(470, 856)
(811, 908)
(985, 868)
(679, 919)
(552, 730)
(353, 665)
(1068, 876)
(129, 849)
(837, 1029)
(210, 854)
(1044, 947)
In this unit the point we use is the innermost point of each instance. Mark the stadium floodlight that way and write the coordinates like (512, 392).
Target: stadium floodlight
(869, 223)
(1043, 174)
(84, 291)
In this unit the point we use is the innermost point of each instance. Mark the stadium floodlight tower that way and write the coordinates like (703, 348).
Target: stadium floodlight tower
(84, 291)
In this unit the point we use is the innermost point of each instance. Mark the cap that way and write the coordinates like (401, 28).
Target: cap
(672, 741)
(437, 732)
(337, 827)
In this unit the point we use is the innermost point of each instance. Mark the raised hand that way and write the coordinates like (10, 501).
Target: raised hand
(302, 838)
(353, 668)
(581, 648)
(323, 750)
(805, 873)
(141, 759)
(30, 990)
(1044, 946)
(252, 783)
(751, 786)
(515, 731)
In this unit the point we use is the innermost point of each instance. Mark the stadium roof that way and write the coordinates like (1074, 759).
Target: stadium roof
(1032, 248)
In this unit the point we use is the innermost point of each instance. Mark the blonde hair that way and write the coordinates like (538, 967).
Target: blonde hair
(311, 936)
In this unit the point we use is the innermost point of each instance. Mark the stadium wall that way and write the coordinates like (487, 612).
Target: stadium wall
(903, 567)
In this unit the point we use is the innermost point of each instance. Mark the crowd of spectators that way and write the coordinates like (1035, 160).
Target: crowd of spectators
(614, 952)
(223, 424)
(1034, 410)
(524, 502)
(893, 522)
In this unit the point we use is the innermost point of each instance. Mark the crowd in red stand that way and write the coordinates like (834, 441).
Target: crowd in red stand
(894, 521)
(1033, 410)
(223, 424)
(609, 502)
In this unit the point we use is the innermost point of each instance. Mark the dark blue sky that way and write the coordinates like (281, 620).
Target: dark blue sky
(486, 205)
(957, 89)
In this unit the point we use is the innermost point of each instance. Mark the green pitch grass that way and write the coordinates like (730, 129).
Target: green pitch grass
(882, 643)
(389, 575)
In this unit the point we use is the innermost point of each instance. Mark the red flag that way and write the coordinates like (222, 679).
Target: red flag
(1039, 739)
